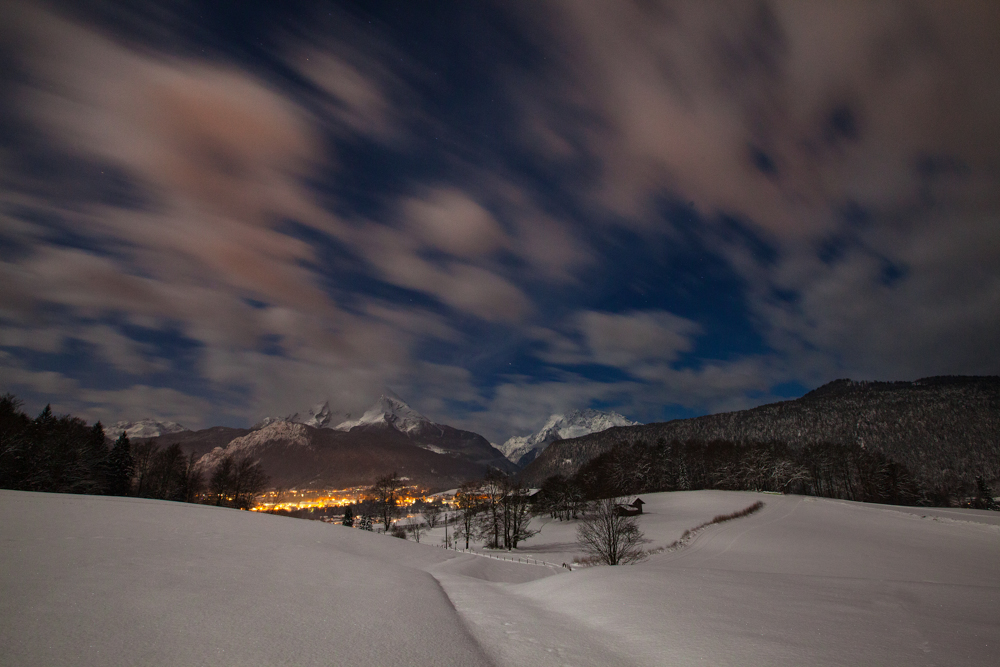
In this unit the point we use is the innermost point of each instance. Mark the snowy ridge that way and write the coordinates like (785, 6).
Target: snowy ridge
(146, 428)
(522, 449)
(252, 444)
(319, 416)
(388, 411)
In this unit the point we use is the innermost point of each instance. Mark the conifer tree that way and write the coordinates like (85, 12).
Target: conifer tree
(121, 466)
(349, 516)
(984, 495)
(96, 455)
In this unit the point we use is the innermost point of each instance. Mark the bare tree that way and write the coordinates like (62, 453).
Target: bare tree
(609, 536)
(415, 528)
(385, 495)
(220, 483)
(516, 514)
(191, 481)
(470, 504)
(250, 481)
(278, 497)
(237, 482)
(492, 491)
(786, 474)
(432, 515)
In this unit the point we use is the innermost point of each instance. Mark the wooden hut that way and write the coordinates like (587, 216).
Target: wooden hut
(632, 509)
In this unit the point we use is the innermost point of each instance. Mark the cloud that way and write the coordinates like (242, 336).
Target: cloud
(520, 406)
(276, 208)
(853, 125)
(465, 287)
(625, 340)
(220, 156)
(449, 220)
(774, 110)
(551, 248)
(358, 99)
(107, 406)
(629, 339)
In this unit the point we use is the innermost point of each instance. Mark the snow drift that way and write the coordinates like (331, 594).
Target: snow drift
(114, 581)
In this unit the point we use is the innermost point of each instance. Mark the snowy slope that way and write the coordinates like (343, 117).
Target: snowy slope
(145, 428)
(114, 581)
(523, 449)
(805, 581)
(100, 582)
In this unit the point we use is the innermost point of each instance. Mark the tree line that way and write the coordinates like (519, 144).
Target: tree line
(63, 454)
(829, 470)
(496, 509)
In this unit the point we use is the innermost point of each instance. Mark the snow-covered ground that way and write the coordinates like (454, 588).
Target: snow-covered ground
(804, 581)
(111, 581)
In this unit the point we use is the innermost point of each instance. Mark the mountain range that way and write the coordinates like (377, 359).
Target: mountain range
(145, 428)
(523, 449)
(943, 429)
(309, 450)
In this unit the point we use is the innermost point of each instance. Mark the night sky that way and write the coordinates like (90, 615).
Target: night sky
(212, 212)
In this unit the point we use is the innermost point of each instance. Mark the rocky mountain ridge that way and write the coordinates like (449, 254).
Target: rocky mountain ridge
(299, 456)
(523, 449)
(309, 449)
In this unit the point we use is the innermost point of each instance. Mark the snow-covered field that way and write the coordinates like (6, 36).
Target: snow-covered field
(108, 581)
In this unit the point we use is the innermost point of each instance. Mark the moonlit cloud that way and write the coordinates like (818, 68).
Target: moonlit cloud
(665, 208)
(452, 222)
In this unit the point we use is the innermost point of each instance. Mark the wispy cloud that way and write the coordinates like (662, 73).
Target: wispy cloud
(326, 210)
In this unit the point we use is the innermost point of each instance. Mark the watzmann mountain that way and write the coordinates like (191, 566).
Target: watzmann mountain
(309, 449)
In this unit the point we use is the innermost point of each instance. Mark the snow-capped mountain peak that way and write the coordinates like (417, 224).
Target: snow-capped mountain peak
(390, 411)
(523, 449)
(318, 416)
(146, 428)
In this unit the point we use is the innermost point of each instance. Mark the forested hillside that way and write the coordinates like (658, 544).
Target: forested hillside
(944, 430)
(63, 454)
